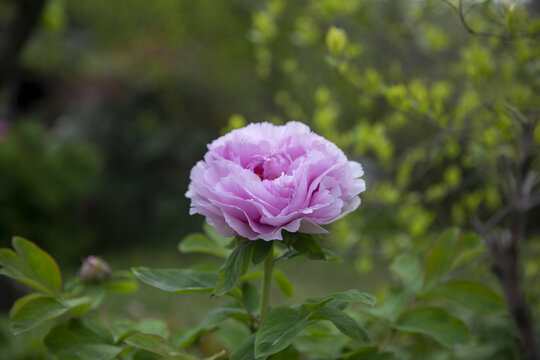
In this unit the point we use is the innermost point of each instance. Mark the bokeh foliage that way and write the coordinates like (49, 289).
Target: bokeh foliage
(135, 89)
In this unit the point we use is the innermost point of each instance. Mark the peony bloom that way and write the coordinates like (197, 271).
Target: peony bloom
(262, 179)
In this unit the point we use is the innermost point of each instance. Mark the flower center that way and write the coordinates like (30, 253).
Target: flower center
(269, 167)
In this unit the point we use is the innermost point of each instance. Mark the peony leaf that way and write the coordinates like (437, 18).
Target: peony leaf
(343, 322)
(306, 244)
(78, 340)
(260, 250)
(246, 351)
(121, 282)
(348, 296)
(41, 265)
(279, 328)
(188, 336)
(32, 310)
(32, 266)
(158, 345)
(289, 353)
(235, 266)
(177, 280)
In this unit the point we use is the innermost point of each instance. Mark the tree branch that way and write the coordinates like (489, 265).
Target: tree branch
(505, 37)
(504, 247)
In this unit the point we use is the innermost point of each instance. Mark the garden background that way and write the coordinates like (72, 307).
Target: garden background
(106, 105)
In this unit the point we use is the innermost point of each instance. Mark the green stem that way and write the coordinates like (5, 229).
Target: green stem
(267, 281)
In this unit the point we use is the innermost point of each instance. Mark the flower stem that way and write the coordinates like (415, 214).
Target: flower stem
(267, 281)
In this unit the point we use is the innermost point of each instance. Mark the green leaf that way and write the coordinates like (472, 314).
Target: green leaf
(78, 340)
(157, 345)
(436, 323)
(306, 244)
(246, 351)
(409, 271)
(343, 322)
(468, 247)
(260, 250)
(251, 297)
(235, 266)
(12, 266)
(188, 336)
(32, 310)
(42, 266)
(199, 243)
(289, 353)
(283, 283)
(15, 268)
(80, 305)
(441, 257)
(368, 353)
(332, 256)
(349, 296)
(472, 295)
(121, 282)
(278, 330)
(216, 356)
(394, 303)
(177, 280)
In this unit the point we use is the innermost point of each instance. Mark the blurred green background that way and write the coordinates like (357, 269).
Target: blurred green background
(113, 102)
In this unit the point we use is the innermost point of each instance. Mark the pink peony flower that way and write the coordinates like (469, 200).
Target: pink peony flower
(262, 179)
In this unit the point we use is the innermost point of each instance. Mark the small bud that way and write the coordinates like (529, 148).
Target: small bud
(94, 269)
(336, 40)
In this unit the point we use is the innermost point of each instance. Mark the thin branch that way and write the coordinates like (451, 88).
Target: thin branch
(505, 37)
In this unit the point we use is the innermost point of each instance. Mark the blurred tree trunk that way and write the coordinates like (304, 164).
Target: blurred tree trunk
(26, 16)
(12, 40)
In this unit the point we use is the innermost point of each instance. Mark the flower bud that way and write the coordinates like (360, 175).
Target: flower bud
(94, 269)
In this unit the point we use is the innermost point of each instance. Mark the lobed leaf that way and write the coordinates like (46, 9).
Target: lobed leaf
(41, 266)
(31, 266)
